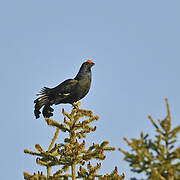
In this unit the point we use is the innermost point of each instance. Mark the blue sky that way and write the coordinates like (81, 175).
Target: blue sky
(136, 48)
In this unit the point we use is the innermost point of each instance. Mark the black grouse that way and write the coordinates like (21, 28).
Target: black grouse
(69, 91)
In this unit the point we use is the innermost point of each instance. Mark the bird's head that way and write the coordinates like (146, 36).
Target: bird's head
(85, 69)
(86, 66)
(89, 63)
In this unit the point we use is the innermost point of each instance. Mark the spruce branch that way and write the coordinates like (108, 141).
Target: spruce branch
(54, 139)
(72, 152)
(157, 157)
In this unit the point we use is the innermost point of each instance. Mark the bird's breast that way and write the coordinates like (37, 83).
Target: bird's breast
(83, 88)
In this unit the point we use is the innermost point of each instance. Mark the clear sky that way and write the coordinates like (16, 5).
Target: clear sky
(136, 48)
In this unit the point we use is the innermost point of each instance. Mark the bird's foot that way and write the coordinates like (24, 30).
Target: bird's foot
(75, 106)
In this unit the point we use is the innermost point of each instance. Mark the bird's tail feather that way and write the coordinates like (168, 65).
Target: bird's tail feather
(41, 101)
(47, 111)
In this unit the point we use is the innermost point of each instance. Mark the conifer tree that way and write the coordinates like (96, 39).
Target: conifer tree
(72, 152)
(158, 158)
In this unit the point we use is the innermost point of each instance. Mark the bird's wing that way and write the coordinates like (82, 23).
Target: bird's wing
(62, 91)
(57, 94)
(65, 87)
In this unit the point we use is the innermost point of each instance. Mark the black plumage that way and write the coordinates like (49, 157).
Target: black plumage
(69, 91)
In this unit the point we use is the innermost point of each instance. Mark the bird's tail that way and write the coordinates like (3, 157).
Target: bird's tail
(41, 101)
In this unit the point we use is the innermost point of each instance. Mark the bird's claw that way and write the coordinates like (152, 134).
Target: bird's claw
(75, 106)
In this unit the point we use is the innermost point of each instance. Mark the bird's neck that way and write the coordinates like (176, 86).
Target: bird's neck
(83, 74)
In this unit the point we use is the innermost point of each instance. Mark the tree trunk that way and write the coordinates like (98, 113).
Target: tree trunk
(73, 171)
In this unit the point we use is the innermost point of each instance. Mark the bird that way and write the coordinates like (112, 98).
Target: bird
(69, 91)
